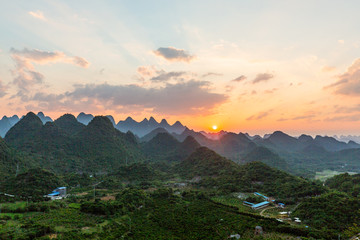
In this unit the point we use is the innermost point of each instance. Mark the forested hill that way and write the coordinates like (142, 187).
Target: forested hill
(10, 160)
(208, 169)
(32, 183)
(64, 145)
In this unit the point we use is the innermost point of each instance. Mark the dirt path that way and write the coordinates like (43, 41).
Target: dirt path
(262, 211)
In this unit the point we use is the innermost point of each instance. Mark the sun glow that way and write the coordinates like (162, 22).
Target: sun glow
(214, 127)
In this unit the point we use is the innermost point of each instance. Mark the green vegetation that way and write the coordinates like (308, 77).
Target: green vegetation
(11, 160)
(136, 214)
(345, 182)
(262, 154)
(32, 184)
(93, 148)
(333, 211)
(214, 171)
(119, 187)
(326, 174)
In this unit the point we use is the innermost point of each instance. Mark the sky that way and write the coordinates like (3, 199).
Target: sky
(244, 65)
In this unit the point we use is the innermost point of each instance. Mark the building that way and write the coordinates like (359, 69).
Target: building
(260, 195)
(257, 205)
(280, 205)
(258, 230)
(249, 204)
(236, 236)
(260, 205)
(58, 193)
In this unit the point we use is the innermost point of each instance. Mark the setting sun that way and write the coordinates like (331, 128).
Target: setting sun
(214, 127)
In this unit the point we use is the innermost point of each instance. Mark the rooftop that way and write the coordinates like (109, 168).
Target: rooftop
(260, 204)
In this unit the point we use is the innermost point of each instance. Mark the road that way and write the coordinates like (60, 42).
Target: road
(262, 211)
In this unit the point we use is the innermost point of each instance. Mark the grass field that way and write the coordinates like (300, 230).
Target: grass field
(325, 174)
(233, 201)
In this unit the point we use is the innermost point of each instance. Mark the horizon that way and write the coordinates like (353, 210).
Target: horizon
(246, 66)
(210, 130)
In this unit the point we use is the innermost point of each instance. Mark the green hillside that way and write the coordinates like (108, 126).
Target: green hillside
(32, 183)
(335, 211)
(262, 154)
(96, 147)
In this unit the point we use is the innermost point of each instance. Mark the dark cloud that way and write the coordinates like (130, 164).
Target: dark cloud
(262, 77)
(211, 74)
(181, 98)
(239, 79)
(166, 76)
(173, 54)
(348, 83)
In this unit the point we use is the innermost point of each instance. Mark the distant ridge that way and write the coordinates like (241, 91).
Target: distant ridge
(146, 126)
(6, 123)
(44, 118)
(84, 118)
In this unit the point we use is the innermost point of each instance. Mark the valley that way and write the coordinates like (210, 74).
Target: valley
(165, 186)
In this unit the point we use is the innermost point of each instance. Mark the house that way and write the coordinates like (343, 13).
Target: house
(257, 205)
(249, 204)
(258, 230)
(260, 195)
(58, 193)
(297, 220)
(280, 205)
(236, 236)
(260, 205)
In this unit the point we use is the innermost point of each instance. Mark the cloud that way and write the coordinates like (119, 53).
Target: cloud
(347, 118)
(229, 88)
(211, 74)
(147, 71)
(173, 54)
(239, 79)
(262, 77)
(37, 14)
(166, 76)
(2, 89)
(184, 98)
(341, 41)
(25, 74)
(346, 109)
(328, 69)
(81, 62)
(271, 91)
(304, 117)
(259, 116)
(348, 83)
(36, 55)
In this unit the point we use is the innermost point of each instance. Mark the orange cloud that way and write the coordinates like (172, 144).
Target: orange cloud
(328, 69)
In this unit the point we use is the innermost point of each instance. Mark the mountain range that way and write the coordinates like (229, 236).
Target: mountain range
(86, 140)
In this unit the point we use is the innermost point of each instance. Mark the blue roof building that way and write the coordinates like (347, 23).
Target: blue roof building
(260, 195)
(248, 203)
(58, 193)
(260, 205)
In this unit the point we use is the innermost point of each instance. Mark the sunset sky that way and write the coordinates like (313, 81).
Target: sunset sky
(250, 66)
